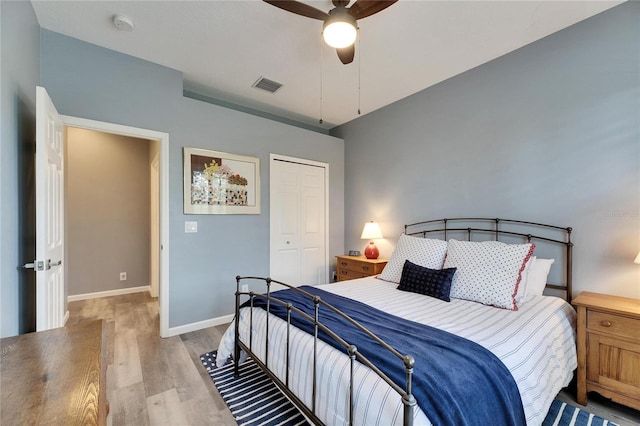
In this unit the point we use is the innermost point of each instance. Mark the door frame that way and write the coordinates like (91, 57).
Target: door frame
(278, 157)
(154, 275)
(163, 139)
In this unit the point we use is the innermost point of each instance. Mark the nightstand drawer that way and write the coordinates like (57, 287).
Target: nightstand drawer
(613, 324)
(359, 266)
(351, 267)
(346, 274)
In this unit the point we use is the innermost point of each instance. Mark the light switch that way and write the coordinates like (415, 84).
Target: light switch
(190, 227)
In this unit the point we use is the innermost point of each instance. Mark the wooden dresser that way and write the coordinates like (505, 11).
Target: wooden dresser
(55, 377)
(350, 267)
(608, 347)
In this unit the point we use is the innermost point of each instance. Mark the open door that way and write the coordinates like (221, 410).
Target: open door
(50, 306)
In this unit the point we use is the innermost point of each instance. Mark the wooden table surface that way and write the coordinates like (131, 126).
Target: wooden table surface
(55, 377)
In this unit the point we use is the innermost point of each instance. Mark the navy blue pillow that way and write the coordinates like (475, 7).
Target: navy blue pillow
(431, 282)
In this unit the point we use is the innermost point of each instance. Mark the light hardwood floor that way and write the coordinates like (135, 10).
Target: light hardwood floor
(154, 381)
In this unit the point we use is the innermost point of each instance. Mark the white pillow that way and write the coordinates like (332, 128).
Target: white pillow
(489, 272)
(522, 288)
(425, 252)
(536, 276)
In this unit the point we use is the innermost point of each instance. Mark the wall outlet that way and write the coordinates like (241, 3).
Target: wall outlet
(245, 288)
(123, 276)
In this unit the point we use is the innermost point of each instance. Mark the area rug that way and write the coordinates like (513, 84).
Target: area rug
(561, 414)
(254, 400)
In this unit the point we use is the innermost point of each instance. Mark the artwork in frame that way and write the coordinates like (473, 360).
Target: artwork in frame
(220, 183)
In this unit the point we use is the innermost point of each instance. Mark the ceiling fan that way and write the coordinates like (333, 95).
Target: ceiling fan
(340, 27)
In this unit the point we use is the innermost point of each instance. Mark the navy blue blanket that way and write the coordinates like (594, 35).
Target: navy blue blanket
(455, 381)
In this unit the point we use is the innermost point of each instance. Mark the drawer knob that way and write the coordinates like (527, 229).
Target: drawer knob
(344, 272)
(343, 263)
(365, 268)
(606, 323)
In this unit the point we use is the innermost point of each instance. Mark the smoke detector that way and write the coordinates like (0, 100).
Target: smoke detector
(123, 22)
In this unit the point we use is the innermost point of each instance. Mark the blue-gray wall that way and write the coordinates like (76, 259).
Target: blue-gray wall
(548, 133)
(20, 73)
(88, 81)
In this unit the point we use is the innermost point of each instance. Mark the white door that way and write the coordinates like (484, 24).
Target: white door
(298, 224)
(49, 267)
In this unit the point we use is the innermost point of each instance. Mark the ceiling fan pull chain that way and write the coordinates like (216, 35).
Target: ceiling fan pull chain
(321, 67)
(359, 67)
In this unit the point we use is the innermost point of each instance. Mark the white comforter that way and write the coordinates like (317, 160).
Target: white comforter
(536, 343)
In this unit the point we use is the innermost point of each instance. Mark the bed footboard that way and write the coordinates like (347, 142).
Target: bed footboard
(406, 362)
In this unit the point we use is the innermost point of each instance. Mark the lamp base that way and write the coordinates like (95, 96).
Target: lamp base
(371, 251)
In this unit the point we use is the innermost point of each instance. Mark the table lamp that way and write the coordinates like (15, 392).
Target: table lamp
(371, 231)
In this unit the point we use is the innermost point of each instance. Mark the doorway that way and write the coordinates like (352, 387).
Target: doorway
(107, 213)
(158, 166)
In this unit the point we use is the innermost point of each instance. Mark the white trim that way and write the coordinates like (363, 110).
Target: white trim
(304, 161)
(108, 293)
(195, 326)
(66, 318)
(154, 273)
(163, 138)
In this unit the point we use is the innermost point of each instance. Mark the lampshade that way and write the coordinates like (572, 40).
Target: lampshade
(371, 231)
(339, 30)
(637, 259)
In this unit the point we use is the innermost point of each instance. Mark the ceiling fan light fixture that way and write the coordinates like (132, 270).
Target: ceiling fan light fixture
(339, 30)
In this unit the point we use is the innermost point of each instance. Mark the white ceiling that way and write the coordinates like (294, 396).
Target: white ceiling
(223, 47)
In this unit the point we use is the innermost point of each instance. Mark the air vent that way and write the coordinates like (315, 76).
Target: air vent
(268, 85)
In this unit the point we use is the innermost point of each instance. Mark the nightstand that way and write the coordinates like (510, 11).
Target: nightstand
(351, 267)
(608, 347)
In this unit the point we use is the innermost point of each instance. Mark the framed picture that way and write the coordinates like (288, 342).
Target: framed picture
(220, 183)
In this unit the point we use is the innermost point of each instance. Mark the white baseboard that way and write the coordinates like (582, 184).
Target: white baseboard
(181, 329)
(108, 293)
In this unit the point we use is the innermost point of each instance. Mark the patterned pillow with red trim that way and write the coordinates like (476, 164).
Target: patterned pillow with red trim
(489, 272)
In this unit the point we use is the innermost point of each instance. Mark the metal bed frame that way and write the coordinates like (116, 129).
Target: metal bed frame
(482, 226)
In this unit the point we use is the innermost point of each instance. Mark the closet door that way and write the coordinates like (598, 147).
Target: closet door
(298, 223)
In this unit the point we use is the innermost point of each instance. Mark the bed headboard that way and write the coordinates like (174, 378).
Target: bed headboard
(551, 241)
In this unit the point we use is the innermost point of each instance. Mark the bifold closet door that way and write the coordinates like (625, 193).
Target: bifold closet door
(298, 223)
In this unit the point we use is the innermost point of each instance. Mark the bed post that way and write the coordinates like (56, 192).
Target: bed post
(236, 343)
(266, 336)
(408, 400)
(351, 350)
(316, 306)
(569, 265)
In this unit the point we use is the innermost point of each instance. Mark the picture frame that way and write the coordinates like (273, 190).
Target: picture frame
(220, 183)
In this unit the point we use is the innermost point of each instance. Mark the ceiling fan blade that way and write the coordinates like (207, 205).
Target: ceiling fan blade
(346, 54)
(299, 8)
(363, 8)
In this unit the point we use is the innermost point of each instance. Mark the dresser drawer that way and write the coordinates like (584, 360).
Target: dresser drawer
(613, 324)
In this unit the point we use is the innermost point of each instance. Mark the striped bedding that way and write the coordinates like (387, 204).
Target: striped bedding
(536, 343)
